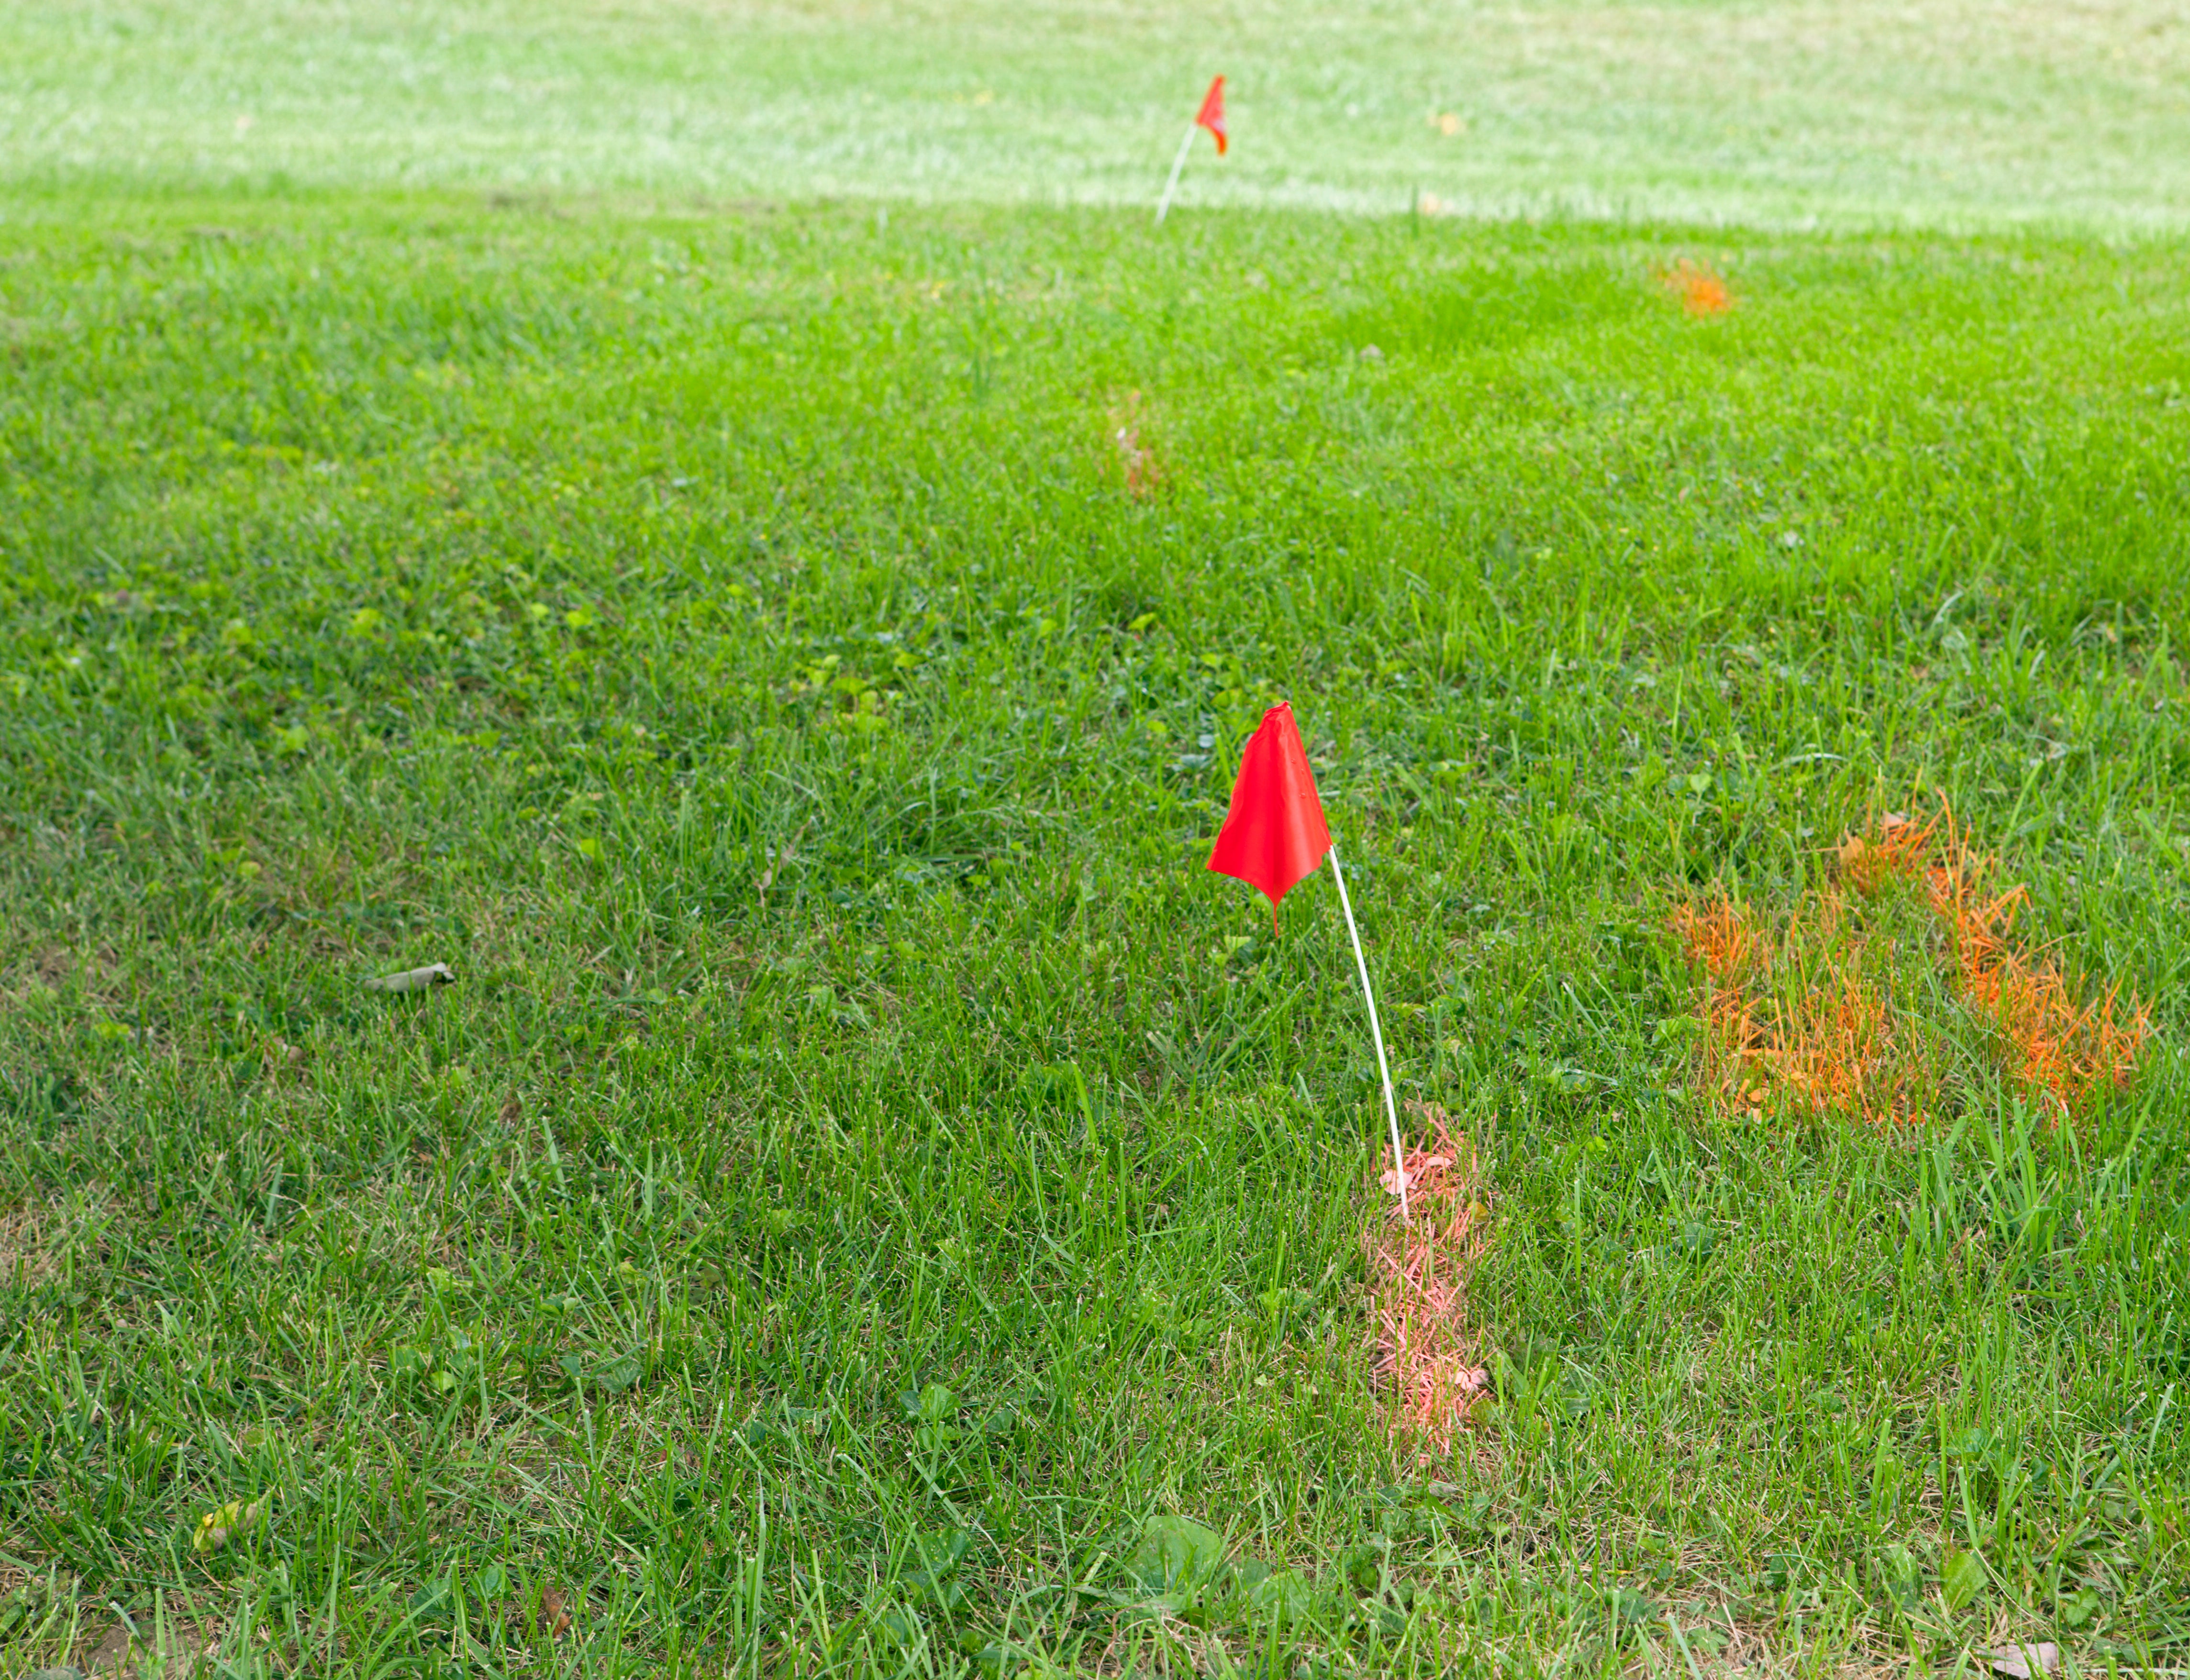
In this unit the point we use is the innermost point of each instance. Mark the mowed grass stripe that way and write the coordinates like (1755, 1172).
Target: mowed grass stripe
(729, 643)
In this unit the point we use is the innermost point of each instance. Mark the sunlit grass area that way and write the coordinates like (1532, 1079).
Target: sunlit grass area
(1782, 113)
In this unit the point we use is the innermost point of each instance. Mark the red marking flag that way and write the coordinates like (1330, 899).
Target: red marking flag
(1211, 113)
(1275, 834)
(1274, 837)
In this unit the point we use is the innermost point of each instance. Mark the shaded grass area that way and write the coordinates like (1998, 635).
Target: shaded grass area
(866, 1170)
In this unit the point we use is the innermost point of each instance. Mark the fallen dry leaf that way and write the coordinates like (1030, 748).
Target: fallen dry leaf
(2023, 1662)
(555, 1617)
(413, 980)
(218, 1526)
(280, 1056)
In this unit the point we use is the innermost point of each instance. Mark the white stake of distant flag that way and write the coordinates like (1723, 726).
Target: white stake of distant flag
(1210, 116)
(1273, 836)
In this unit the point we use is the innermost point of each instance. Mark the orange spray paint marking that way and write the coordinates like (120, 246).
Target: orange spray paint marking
(1427, 1362)
(1701, 292)
(1826, 1012)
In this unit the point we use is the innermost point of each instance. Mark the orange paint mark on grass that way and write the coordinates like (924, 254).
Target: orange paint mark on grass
(2055, 1044)
(1427, 1357)
(1701, 291)
(1829, 1011)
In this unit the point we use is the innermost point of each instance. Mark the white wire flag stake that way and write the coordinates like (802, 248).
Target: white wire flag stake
(1375, 1032)
(1210, 116)
(1177, 163)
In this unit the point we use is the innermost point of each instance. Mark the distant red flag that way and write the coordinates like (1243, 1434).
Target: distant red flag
(1212, 117)
(1273, 835)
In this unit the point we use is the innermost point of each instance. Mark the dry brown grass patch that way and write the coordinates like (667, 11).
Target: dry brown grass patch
(25, 1257)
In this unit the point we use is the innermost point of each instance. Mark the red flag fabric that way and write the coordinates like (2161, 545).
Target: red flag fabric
(1211, 113)
(1273, 834)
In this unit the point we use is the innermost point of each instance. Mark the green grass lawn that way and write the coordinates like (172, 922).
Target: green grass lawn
(867, 1169)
